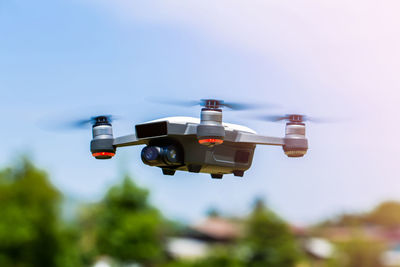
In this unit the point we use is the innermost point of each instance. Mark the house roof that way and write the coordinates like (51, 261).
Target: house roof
(217, 228)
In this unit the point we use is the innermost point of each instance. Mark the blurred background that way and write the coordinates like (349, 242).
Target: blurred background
(65, 59)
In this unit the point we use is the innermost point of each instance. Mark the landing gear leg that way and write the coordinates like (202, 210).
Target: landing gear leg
(238, 173)
(168, 172)
(216, 176)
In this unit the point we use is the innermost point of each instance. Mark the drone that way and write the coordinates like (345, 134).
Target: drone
(205, 145)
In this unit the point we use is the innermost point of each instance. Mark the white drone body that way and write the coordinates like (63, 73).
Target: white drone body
(205, 145)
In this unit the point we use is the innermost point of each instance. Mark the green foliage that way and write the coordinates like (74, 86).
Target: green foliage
(344, 220)
(125, 226)
(358, 251)
(269, 240)
(386, 214)
(219, 257)
(31, 232)
(213, 212)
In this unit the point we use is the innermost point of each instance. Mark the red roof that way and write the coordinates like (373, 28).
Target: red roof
(218, 228)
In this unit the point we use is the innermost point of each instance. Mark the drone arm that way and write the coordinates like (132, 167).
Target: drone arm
(128, 140)
(259, 139)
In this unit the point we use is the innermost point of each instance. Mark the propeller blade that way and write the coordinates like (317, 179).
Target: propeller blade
(272, 118)
(238, 106)
(64, 125)
(247, 106)
(210, 103)
(174, 102)
(79, 123)
(294, 118)
(323, 120)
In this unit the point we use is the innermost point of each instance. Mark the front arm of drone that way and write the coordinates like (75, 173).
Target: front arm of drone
(294, 144)
(104, 145)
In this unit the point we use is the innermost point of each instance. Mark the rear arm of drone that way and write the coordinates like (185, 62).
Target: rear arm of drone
(294, 145)
(242, 137)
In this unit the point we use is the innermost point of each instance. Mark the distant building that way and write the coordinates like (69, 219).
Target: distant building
(391, 257)
(198, 238)
(216, 229)
(186, 248)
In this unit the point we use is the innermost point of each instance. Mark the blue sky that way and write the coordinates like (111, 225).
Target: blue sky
(331, 59)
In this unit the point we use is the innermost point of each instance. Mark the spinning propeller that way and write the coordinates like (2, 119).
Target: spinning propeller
(64, 124)
(295, 118)
(210, 104)
(217, 104)
(95, 120)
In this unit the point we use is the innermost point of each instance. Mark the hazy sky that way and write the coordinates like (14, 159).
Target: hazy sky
(337, 59)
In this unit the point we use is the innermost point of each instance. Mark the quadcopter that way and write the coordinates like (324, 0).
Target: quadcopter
(205, 145)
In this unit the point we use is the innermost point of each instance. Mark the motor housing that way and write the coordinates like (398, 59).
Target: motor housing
(296, 143)
(101, 145)
(210, 131)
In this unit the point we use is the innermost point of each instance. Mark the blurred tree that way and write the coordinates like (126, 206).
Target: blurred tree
(221, 257)
(125, 226)
(269, 240)
(31, 232)
(218, 257)
(358, 251)
(213, 212)
(386, 214)
(344, 220)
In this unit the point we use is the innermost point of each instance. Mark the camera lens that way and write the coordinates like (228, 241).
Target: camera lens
(150, 153)
(171, 155)
(162, 156)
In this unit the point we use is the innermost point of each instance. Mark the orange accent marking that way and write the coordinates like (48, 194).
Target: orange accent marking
(211, 140)
(109, 154)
